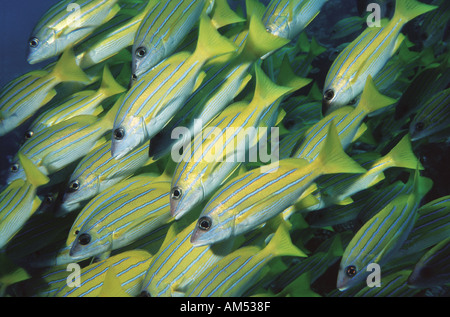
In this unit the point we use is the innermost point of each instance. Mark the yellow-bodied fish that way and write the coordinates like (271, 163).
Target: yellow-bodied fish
(19, 201)
(27, 94)
(250, 199)
(367, 55)
(156, 97)
(65, 24)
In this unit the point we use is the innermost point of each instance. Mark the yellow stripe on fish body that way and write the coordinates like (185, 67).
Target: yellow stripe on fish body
(65, 24)
(155, 98)
(221, 146)
(108, 196)
(250, 199)
(367, 55)
(433, 118)
(30, 92)
(18, 201)
(287, 18)
(127, 218)
(224, 79)
(432, 227)
(178, 263)
(55, 147)
(98, 170)
(112, 40)
(236, 272)
(161, 30)
(348, 120)
(129, 268)
(383, 235)
(344, 186)
(87, 102)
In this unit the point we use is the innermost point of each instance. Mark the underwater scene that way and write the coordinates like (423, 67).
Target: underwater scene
(225, 148)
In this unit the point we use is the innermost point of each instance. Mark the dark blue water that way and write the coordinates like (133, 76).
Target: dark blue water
(17, 20)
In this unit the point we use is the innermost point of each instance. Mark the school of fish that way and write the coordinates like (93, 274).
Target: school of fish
(229, 148)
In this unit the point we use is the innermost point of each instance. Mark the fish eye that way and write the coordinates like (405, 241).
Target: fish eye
(328, 95)
(204, 223)
(141, 52)
(84, 239)
(350, 271)
(119, 134)
(176, 193)
(134, 77)
(15, 168)
(74, 186)
(419, 126)
(34, 42)
(29, 134)
(48, 199)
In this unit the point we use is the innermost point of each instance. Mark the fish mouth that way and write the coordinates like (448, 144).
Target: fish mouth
(74, 251)
(341, 285)
(196, 240)
(66, 208)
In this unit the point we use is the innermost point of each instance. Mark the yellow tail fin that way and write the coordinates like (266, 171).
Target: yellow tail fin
(34, 175)
(266, 91)
(410, 9)
(332, 159)
(371, 99)
(110, 86)
(259, 42)
(67, 70)
(281, 244)
(210, 43)
(402, 155)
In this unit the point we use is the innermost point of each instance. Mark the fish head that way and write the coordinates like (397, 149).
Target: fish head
(127, 136)
(73, 234)
(212, 228)
(15, 172)
(77, 191)
(92, 242)
(184, 197)
(145, 57)
(335, 96)
(350, 273)
(418, 129)
(278, 26)
(7, 124)
(42, 45)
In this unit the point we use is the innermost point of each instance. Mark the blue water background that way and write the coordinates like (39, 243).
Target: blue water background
(17, 20)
